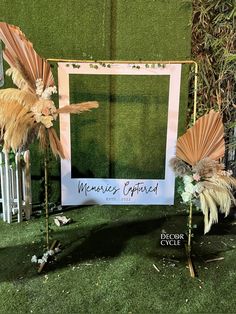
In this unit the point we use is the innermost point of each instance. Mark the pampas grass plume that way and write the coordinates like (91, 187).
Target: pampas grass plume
(179, 167)
(207, 167)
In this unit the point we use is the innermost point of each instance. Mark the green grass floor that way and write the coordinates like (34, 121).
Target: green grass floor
(106, 265)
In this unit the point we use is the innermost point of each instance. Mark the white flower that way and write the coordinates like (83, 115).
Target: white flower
(34, 259)
(45, 94)
(189, 187)
(38, 117)
(47, 121)
(187, 179)
(51, 252)
(57, 250)
(186, 196)
(48, 92)
(37, 112)
(45, 258)
(39, 86)
(227, 173)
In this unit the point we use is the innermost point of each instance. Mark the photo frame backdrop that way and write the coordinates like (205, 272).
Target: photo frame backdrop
(83, 191)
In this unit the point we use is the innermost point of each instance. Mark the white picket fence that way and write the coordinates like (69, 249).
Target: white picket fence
(16, 196)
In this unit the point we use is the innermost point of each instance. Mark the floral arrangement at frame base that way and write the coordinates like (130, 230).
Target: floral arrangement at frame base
(203, 180)
(27, 112)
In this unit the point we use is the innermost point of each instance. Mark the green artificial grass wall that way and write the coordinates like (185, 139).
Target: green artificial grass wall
(125, 137)
(127, 134)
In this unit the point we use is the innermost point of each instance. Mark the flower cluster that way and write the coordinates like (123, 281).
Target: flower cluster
(44, 112)
(191, 187)
(193, 180)
(207, 186)
(44, 93)
(190, 181)
(45, 256)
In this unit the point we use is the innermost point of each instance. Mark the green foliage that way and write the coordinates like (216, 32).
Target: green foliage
(12, 158)
(213, 39)
(213, 47)
(180, 185)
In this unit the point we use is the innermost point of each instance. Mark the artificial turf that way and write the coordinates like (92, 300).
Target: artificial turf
(112, 262)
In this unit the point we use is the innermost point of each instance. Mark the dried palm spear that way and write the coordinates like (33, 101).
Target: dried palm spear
(28, 110)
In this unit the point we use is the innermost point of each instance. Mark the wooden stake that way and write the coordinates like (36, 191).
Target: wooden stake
(214, 259)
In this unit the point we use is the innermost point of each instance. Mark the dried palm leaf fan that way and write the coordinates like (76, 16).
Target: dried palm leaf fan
(28, 110)
(201, 147)
(204, 140)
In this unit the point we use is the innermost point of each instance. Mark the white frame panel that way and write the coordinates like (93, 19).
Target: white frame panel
(83, 191)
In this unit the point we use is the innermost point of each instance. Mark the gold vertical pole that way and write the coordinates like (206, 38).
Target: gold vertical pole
(46, 197)
(190, 217)
(195, 92)
(189, 247)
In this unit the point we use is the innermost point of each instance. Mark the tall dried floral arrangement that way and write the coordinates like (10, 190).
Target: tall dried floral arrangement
(205, 183)
(27, 112)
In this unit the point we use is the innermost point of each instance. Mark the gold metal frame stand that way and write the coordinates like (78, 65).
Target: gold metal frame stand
(191, 62)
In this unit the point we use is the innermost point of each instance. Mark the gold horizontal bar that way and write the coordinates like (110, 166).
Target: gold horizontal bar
(146, 62)
(124, 61)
